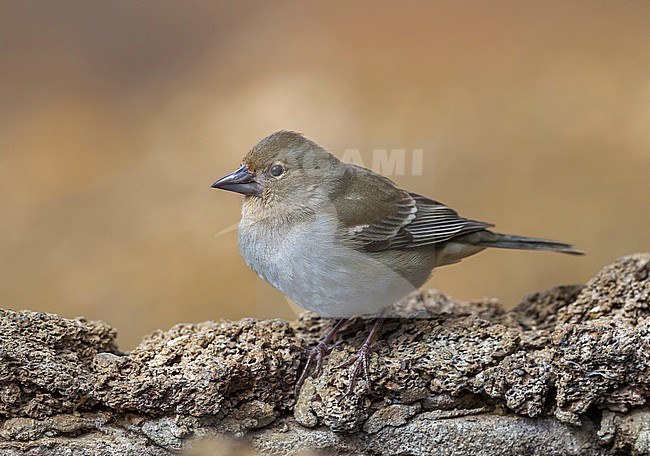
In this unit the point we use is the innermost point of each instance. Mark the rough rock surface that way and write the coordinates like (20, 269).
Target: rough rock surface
(567, 372)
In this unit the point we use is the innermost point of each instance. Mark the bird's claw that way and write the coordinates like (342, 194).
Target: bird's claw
(316, 355)
(360, 362)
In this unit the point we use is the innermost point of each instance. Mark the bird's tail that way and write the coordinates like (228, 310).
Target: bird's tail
(509, 241)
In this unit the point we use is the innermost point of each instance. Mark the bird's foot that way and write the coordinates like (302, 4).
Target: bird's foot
(317, 355)
(360, 361)
(360, 364)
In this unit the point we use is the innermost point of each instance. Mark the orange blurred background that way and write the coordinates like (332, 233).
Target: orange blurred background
(116, 117)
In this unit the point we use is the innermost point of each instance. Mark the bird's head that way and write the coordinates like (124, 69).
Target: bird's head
(285, 171)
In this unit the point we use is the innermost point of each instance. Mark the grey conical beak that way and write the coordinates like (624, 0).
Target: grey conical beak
(240, 181)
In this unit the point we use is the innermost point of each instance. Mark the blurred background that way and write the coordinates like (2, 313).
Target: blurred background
(116, 117)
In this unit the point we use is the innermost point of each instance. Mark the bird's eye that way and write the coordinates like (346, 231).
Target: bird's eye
(277, 170)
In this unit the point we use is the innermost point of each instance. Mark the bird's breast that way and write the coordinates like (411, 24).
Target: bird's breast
(312, 265)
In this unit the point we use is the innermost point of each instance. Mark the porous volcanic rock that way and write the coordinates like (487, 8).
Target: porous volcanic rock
(566, 372)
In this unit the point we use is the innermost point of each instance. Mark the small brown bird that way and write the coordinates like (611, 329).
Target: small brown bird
(343, 241)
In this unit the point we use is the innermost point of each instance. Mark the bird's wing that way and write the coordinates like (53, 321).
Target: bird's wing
(387, 217)
(370, 209)
(433, 223)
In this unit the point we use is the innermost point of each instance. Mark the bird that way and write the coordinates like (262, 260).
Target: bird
(344, 241)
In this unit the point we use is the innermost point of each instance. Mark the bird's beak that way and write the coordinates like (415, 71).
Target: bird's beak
(240, 181)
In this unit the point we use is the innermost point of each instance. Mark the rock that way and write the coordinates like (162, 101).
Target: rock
(392, 415)
(632, 432)
(565, 372)
(620, 290)
(46, 362)
(166, 432)
(204, 369)
(426, 434)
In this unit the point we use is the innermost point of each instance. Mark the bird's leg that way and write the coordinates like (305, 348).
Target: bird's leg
(317, 354)
(360, 359)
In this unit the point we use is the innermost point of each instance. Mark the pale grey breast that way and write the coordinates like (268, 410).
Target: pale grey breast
(309, 264)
